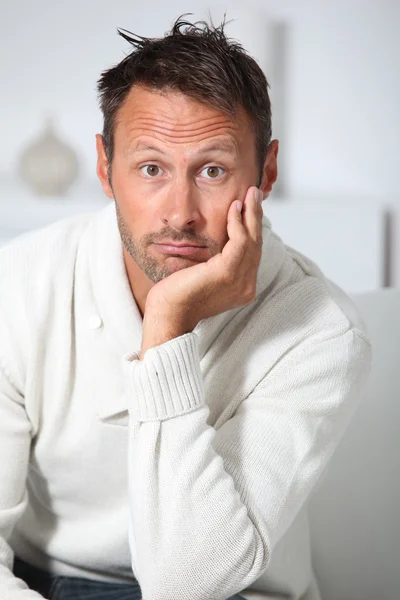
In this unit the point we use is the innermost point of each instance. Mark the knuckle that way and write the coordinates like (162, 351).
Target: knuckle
(250, 294)
(242, 238)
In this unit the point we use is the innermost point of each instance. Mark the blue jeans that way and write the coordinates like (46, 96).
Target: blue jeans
(60, 587)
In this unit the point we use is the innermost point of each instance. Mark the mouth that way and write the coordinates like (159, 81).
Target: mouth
(180, 250)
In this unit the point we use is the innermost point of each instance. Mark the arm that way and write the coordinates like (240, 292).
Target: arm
(207, 507)
(15, 442)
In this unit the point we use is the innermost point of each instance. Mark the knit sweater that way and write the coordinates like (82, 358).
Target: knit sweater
(189, 470)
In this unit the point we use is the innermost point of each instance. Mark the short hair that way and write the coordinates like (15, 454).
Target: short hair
(198, 60)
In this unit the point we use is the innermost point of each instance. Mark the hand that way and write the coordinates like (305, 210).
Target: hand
(228, 280)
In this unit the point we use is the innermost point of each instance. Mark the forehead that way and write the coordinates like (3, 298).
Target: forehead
(174, 118)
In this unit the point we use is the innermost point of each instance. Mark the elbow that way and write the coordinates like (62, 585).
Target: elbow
(233, 575)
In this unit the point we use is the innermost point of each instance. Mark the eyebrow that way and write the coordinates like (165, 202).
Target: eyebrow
(225, 146)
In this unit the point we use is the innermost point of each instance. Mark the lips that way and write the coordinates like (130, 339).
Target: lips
(184, 245)
(181, 250)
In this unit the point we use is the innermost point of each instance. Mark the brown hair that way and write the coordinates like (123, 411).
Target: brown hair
(198, 60)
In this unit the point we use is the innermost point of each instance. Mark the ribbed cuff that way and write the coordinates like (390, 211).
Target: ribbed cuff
(167, 382)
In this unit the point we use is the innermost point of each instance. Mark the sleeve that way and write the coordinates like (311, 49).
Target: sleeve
(15, 439)
(208, 506)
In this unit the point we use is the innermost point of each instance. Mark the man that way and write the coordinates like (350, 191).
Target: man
(174, 379)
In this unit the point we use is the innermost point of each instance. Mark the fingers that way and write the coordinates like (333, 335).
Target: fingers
(235, 248)
(237, 212)
(253, 215)
(244, 227)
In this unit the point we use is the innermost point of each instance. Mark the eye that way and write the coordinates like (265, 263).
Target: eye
(212, 172)
(151, 170)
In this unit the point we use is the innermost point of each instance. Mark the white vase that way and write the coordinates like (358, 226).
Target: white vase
(48, 165)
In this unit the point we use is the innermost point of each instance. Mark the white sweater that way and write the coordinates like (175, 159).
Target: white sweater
(189, 470)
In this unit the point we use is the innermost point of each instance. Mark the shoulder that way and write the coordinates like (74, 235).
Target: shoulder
(300, 315)
(302, 294)
(38, 272)
(35, 269)
(40, 249)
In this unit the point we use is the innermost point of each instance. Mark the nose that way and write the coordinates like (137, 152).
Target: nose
(180, 210)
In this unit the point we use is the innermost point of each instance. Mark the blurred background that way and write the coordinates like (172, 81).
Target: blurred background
(333, 67)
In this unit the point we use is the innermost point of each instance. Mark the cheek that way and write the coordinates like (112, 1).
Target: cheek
(216, 207)
(216, 226)
(140, 220)
(134, 202)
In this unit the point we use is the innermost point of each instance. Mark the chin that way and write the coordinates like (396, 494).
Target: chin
(162, 271)
(177, 263)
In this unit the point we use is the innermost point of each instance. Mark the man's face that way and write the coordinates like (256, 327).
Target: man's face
(177, 167)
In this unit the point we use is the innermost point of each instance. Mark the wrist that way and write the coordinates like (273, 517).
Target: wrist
(157, 330)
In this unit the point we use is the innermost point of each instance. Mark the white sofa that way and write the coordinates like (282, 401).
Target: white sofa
(355, 510)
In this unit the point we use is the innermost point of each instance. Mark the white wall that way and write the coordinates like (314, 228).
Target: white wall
(342, 92)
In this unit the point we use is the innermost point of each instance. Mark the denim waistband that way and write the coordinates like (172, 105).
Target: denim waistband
(61, 587)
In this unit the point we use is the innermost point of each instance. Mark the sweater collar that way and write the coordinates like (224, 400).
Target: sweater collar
(118, 309)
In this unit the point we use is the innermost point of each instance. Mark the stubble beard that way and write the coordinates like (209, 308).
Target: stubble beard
(147, 263)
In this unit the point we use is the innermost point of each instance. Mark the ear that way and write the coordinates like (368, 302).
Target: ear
(270, 169)
(102, 166)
